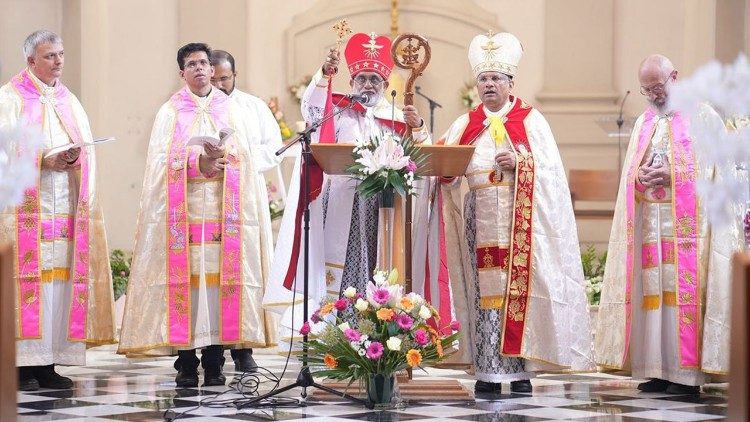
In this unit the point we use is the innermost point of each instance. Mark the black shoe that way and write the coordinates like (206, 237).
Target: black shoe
(48, 378)
(655, 385)
(213, 376)
(487, 387)
(187, 378)
(245, 363)
(682, 389)
(26, 380)
(523, 386)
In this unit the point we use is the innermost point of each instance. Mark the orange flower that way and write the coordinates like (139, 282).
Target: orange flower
(413, 357)
(437, 341)
(385, 314)
(330, 361)
(406, 304)
(326, 309)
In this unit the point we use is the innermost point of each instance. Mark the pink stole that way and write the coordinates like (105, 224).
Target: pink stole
(29, 225)
(685, 246)
(178, 253)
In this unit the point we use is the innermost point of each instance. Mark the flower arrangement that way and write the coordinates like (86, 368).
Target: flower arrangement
(386, 164)
(726, 88)
(18, 168)
(275, 204)
(120, 266)
(298, 90)
(286, 132)
(380, 332)
(593, 272)
(470, 96)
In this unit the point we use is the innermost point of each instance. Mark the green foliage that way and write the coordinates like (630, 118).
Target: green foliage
(120, 265)
(593, 271)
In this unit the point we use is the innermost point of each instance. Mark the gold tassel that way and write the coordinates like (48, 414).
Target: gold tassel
(669, 299)
(651, 302)
(492, 302)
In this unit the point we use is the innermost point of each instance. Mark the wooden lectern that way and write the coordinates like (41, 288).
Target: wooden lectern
(441, 160)
(7, 336)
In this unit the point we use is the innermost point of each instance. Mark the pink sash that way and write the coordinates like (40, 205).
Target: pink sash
(29, 227)
(178, 254)
(685, 247)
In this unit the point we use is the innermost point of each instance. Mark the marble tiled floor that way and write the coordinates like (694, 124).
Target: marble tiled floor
(111, 388)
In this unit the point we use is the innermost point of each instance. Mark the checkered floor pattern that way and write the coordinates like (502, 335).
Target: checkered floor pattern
(112, 388)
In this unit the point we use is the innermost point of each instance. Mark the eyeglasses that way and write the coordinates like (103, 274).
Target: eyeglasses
(494, 78)
(656, 89)
(192, 64)
(374, 80)
(222, 79)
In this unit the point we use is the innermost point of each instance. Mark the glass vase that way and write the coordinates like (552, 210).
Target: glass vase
(381, 389)
(386, 214)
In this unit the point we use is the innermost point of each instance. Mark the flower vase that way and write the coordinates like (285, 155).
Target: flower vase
(380, 389)
(385, 228)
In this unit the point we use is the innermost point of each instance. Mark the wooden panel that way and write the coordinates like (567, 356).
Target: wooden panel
(442, 160)
(739, 374)
(593, 185)
(7, 336)
(412, 390)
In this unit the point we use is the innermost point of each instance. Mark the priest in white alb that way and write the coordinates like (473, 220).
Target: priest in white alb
(62, 275)
(514, 258)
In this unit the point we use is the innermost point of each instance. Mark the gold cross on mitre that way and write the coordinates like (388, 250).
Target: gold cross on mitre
(490, 47)
(342, 30)
(371, 47)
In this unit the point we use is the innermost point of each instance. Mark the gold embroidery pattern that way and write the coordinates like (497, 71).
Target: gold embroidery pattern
(520, 277)
(330, 278)
(685, 226)
(489, 262)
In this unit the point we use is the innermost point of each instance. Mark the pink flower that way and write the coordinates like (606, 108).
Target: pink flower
(375, 351)
(305, 330)
(381, 296)
(455, 325)
(421, 337)
(411, 166)
(404, 321)
(315, 317)
(341, 304)
(352, 334)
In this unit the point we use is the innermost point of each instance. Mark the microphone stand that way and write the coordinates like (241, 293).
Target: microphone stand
(432, 103)
(305, 378)
(620, 121)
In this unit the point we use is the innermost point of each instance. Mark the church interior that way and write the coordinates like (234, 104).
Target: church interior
(580, 69)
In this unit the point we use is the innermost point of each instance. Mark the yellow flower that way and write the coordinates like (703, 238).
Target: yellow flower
(326, 309)
(406, 304)
(330, 361)
(413, 357)
(385, 314)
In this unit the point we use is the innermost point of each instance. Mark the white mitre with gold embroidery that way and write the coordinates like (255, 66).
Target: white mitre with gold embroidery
(495, 53)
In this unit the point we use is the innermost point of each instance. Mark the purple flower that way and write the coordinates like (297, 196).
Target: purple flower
(421, 337)
(305, 330)
(381, 296)
(455, 325)
(404, 321)
(315, 317)
(352, 334)
(341, 304)
(411, 166)
(375, 351)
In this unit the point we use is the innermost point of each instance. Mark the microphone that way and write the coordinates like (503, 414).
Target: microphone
(620, 121)
(360, 98)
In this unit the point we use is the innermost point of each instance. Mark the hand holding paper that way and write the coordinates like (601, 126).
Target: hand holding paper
(78, 145)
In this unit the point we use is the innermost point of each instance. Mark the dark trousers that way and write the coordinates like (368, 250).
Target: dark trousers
(211, 357)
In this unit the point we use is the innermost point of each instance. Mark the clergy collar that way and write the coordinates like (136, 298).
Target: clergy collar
(41, 86)
(503, 110)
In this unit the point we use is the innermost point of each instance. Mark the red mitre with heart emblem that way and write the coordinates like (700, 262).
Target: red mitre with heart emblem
(369, 53)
